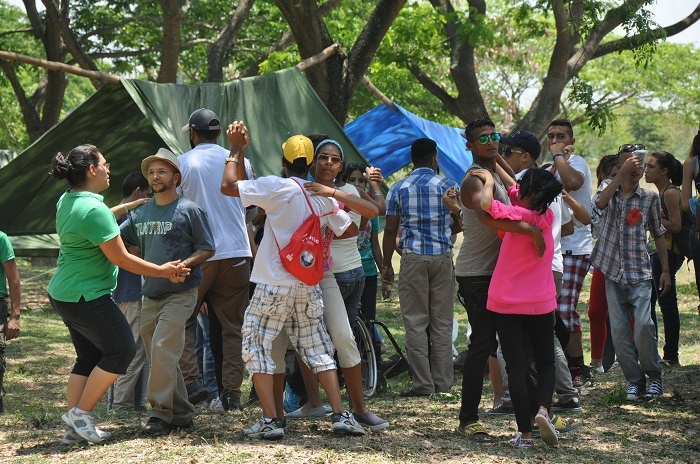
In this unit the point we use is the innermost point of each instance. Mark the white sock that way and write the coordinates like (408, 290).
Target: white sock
(80, 411)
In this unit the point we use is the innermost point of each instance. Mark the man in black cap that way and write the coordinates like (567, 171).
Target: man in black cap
(227, 273)
(521, 151)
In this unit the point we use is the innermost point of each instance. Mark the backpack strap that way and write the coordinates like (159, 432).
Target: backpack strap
(308, 202)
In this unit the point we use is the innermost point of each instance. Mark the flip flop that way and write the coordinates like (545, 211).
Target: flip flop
(475, 432)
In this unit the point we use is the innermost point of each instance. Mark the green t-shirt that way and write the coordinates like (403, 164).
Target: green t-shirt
(83, 222)
(6, 254)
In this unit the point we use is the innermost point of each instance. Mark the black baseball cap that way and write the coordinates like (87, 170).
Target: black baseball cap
(524, 139)
(202, 120)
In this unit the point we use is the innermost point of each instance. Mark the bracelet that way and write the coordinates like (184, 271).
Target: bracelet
(333, 196)
(231, 160)
(126, 210)
(557, 154)
(374, 194)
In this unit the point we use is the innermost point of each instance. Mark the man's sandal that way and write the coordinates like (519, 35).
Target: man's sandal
(475, 432)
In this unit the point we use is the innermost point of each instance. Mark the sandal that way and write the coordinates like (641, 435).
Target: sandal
(475, 432)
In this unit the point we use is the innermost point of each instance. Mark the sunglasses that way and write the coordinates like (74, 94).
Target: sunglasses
(484, 138)
(326, 158)
(356, 167)
(630, 147)
(507, 151)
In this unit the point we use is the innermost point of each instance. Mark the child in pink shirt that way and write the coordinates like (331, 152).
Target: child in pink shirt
(523, 297)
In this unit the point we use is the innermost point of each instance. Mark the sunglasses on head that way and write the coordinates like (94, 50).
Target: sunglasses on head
(507, 151)
(484, 138)
(630, 147)
(356, 167)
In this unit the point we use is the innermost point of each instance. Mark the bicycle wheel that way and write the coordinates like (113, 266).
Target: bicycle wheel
(368, 361)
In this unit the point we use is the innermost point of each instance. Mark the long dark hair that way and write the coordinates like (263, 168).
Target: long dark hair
(674, 168)
(543, 184)
(74, 167)
(605, 167)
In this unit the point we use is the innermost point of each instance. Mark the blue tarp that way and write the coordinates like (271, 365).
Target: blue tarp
(384, 136)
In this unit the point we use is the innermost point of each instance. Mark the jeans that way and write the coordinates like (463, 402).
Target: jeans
(205, 357)
(351, 283)
(668, 304)
(473, 293)
(637, 353)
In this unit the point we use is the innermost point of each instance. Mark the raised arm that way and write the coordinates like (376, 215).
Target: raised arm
(234, 171)
(580, 212)
(362, 207)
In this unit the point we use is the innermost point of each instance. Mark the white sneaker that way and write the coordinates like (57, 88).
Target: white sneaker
(72, 438)
(272, 430)
(216, 405)
(82, 424)
(345, 424)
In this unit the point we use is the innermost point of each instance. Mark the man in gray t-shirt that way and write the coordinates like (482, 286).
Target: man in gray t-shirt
(474, 268)
(168, 228)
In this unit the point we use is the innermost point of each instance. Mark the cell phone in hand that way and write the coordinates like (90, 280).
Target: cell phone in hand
(640, 154)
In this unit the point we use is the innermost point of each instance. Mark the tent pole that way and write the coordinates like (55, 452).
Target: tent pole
(377, 93)
(56, 66)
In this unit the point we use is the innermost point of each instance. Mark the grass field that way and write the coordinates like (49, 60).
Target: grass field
(609, 429)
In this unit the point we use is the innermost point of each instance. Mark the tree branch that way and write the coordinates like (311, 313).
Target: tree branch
(62, 67)
(432, 87)
(637, 40)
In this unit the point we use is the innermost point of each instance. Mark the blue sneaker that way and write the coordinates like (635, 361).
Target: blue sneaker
(292, 401)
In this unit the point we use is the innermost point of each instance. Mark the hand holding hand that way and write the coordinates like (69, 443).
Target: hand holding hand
(237, 135)
(373, 174)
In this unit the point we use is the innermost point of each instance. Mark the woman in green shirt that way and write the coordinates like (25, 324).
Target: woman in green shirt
(81, 289)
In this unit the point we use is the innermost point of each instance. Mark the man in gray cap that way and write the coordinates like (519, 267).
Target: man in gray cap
(169, 228)
(226, 275)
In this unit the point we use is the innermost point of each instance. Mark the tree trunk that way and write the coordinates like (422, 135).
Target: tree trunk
(170, 53)
(218, 52)
(336, 79)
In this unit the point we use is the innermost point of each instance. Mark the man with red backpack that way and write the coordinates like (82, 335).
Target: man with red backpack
(284, 302)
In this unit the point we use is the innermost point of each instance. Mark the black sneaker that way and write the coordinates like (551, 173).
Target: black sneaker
(504, 409)
(581, 377)
(570, 406)
(231, 403)
(196, 392)
(155, 426)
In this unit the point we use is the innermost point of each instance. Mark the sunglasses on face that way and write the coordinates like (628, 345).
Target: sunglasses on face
(484, 138)
(507, 151)
(326, 158)
(630, 147)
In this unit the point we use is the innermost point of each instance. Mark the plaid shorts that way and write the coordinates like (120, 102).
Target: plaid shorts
(298, 311)
(575, 270)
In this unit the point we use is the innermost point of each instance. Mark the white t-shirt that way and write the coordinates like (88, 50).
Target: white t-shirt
(562, 215)
(286, 210)
(202, 170)
(346, 256)
(581, 241)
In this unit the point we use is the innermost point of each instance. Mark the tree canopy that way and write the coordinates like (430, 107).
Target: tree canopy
(523, 62)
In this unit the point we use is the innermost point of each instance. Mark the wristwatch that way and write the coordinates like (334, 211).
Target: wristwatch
(231, 160)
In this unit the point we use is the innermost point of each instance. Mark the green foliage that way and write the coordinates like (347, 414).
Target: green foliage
(615, 397)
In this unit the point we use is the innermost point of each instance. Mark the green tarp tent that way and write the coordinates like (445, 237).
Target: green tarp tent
(131, 120)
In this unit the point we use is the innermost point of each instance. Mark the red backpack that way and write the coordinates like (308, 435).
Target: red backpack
(303, 255)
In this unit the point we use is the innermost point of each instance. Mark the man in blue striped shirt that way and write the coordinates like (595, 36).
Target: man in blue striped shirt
(426, 283)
